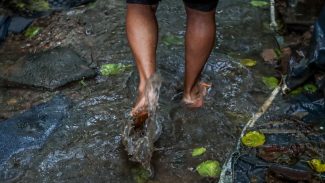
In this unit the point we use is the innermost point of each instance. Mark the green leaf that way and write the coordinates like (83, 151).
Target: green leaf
(248, 62)
(32, 31)
(170, 40)
(270, 82)
(209, 168)
(259, 3)
(317, 165)
(310, 88)
(253, 139)
(198, 151)
(113, 69)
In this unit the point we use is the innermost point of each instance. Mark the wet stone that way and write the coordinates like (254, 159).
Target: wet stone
(50, 69)
(242, 28)
(30, 130)
(87, 146)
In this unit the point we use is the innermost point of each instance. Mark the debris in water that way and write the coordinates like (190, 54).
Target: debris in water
(253, 139)
(209, 168)
(198, 151)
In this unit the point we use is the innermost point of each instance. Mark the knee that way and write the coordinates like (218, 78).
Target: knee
(197, 15)
(141, 8)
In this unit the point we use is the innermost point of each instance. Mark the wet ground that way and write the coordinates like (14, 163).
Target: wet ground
(86, 145)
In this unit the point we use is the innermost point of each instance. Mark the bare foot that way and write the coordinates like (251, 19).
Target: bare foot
(139, 112)
(196, 98)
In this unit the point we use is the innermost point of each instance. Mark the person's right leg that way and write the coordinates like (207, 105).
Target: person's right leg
(199, 41)
(142, 34)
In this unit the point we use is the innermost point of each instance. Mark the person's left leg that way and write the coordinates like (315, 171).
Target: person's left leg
(199, 42)
(142, 34)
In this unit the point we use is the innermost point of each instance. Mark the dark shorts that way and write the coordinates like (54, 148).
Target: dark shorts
(202, 5)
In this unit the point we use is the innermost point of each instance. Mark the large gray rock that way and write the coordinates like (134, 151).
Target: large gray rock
(31, 129)
(50, 69)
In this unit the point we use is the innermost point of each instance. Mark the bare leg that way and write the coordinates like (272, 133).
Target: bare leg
(142, 33)
(199, 41)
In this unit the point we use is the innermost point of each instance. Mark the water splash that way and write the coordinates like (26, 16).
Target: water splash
(139, 142)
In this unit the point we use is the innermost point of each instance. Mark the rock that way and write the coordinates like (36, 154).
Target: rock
(31, 129)
(50, 69)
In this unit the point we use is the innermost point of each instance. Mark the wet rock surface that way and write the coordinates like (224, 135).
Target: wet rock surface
(50, 69)
(29, 131)
(87, 146)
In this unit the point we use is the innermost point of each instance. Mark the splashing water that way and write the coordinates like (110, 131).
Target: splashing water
(139, 142)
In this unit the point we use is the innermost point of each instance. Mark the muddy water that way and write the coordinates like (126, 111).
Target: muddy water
(87, 146)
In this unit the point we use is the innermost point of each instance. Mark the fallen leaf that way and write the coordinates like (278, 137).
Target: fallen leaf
(32, 31)
(198, 151)
(253, 139)
(248, 62)
(270, 82)
(259, 3)
(310, 88)
(209, 168)
(317, 165)
(113, 69)
(269, 55)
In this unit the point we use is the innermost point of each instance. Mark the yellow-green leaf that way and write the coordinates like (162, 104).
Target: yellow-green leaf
(248, 62)
(198, 151)
(310, 88)
(270, 82)
(259, 3)
(113, 69)
(209, 168)
(253, 139)
(317, 165)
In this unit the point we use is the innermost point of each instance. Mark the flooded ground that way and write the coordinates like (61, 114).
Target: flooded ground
(86, 145)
